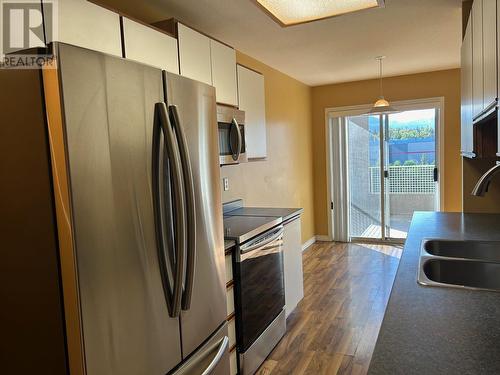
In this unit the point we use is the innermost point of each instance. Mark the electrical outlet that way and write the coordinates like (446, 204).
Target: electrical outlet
(225, 180)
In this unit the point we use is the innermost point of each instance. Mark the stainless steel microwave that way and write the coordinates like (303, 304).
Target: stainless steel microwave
(232, 148)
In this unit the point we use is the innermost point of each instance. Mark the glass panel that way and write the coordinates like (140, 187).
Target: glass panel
(411, 144)
(224, 138)
(363, 159)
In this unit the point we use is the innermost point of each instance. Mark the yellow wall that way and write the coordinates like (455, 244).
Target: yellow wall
(444, 83)
(473, 169)
(285, 179)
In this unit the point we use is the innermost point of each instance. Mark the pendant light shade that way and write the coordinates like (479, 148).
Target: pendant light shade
(381, 106)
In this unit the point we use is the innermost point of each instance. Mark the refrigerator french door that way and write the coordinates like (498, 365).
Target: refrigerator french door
(192, 108)
(142, 164)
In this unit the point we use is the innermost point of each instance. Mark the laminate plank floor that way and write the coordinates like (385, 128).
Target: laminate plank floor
(334, 328)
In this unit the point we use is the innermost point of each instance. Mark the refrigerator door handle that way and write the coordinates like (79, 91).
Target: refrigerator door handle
(213, 353)
(172, 152)
(223, 345)
(159, 234)
(190, 207)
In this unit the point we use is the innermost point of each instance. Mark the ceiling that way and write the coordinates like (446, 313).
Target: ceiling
(415, 35)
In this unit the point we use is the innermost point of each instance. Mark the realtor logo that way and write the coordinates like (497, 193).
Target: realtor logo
(25, 25)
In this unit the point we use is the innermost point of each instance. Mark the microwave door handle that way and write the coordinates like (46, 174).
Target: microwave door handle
(236, 154)
(173, 154)
(190, 207)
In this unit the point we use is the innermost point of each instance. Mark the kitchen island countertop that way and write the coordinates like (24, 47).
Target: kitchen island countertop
(433, 330)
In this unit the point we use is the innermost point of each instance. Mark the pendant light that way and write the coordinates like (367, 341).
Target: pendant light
(381, 106)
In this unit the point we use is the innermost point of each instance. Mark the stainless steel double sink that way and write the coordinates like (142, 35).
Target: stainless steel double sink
(460, 264)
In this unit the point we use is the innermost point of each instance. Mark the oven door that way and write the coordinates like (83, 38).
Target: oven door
(259, 285)
(232, 148)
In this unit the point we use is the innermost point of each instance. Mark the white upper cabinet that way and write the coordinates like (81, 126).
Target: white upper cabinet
(87, 25)
(224, 73)
(194, 54)
(489, 53)
(466, 88)
(477, 58)
(150, 46)
(251, 98)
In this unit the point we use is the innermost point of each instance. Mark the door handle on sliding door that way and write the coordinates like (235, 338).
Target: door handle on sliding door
(162, 124)
(190, 206)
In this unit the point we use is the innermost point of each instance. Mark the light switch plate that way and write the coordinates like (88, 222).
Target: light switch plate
(225, 180)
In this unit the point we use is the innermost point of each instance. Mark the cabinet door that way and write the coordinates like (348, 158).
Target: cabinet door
(251, 98)
(477, 58)
(87, 25)
(194, 54)
(292, 262)
(466, 82)
(490, 52)
(224, 73)
(150, 46)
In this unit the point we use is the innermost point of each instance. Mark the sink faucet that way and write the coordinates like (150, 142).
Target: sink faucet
(484, 182)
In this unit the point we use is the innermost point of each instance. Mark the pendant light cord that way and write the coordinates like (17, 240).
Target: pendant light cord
(380, 70)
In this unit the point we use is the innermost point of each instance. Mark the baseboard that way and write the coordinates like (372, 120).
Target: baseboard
(314, 239)
(308, 243)
(323, 238)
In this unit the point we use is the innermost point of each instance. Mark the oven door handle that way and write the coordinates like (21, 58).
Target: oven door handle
(236, 154)
(253, 246)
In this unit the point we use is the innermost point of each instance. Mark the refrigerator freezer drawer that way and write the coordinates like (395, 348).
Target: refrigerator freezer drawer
(211, 359)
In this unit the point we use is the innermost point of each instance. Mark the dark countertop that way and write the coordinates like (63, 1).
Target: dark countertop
(229, 244)
(284, 213)
(243, 228)
(241, 223)
(431, 330)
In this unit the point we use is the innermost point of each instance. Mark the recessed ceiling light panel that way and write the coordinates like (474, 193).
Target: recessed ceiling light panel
(292, 12)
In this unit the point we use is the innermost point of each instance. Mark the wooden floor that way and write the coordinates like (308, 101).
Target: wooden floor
(334, 328)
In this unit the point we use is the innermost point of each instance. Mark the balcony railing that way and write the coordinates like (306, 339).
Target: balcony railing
(405, 179)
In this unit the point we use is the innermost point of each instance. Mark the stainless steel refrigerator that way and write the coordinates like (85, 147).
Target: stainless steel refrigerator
(140, 159)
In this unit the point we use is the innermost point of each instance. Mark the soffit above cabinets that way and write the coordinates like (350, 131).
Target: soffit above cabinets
(415, 35)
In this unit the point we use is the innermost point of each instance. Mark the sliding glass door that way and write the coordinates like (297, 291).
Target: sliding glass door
(411, 167)
(364, 172)
(391, 171)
